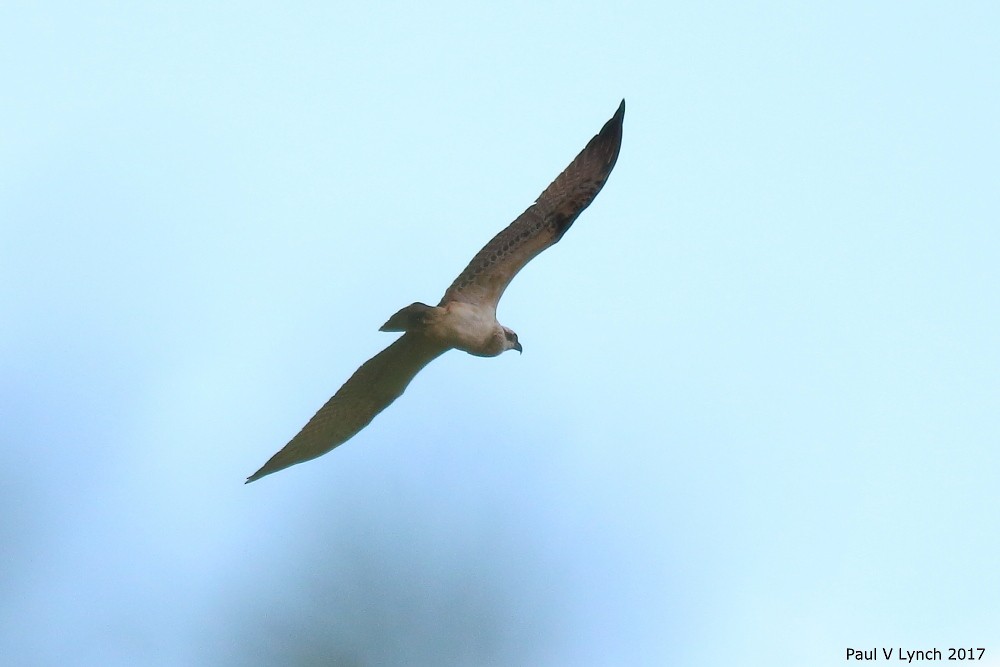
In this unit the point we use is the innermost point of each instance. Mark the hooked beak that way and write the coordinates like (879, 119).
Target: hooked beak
(517, 346)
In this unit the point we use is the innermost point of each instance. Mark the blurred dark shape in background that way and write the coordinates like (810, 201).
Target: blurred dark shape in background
(391, 590)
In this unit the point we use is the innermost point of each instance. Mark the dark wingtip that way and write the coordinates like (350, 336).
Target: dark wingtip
(614, 126)
(611, 136)
(619, 116)
(260, 473)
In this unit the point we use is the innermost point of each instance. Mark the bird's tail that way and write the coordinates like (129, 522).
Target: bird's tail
(412, 318)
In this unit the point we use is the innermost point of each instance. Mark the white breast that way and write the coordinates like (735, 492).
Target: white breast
(473, 329)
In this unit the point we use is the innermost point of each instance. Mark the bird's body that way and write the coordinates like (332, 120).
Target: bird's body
(468, 327)
(465, 319)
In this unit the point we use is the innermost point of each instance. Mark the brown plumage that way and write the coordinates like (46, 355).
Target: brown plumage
(465, 319)
(544, 222)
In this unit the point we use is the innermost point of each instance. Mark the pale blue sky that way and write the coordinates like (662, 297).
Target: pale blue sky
(756, 420)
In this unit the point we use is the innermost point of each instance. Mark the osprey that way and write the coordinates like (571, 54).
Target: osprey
(465, 319)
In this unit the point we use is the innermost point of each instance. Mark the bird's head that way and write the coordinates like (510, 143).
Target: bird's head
(510, 340)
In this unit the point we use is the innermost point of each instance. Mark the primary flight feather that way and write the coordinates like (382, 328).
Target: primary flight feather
(465, 319)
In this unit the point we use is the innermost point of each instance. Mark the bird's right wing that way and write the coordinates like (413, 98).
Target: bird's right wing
(379, 381)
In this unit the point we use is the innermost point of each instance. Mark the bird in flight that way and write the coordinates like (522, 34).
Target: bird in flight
(465, 319)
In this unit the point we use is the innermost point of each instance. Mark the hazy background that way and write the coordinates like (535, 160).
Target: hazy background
(756, 420)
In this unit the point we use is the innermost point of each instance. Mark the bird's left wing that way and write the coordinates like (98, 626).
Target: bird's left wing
(486, 277)
(379, 381)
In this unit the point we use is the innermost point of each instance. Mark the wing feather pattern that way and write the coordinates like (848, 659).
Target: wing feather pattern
(543, 223)
(380, 381)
